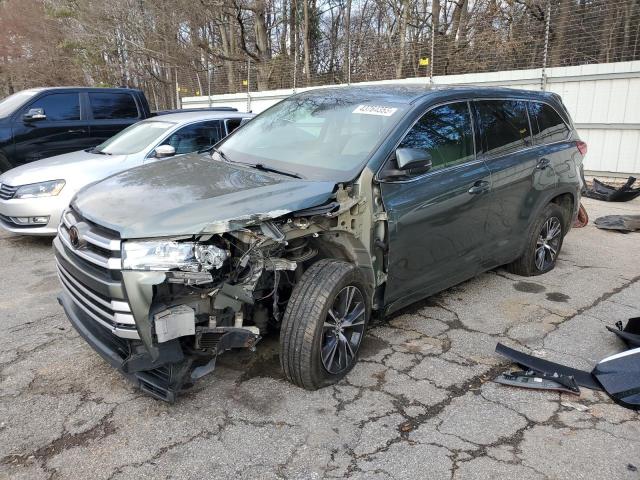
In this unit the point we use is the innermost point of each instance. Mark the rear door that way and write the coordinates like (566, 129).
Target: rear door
(436, 219)
(111, 112)
(505, 143)
(61, 131)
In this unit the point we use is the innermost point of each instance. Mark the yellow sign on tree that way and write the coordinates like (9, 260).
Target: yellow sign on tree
(424, 62)
(245, 83)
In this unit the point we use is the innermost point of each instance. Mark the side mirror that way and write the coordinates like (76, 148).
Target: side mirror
(412, 158)
(165, 151)
(34, 114)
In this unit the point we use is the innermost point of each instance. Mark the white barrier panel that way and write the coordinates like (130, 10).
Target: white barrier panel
(603, 100)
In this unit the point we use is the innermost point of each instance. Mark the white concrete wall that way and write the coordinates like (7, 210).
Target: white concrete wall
(603, 100)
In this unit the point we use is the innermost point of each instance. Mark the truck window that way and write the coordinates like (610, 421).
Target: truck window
(58, 106)
(503, 125)
(446, 133)
(108, 106)
(195, 137)
(548, 126)
(232, 124)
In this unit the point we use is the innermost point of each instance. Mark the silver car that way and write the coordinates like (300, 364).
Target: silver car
(33, 196)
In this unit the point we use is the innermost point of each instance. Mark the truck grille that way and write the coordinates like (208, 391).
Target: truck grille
(88, 263)
(7, 192)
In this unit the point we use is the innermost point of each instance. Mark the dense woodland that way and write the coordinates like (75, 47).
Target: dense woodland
(220, 46)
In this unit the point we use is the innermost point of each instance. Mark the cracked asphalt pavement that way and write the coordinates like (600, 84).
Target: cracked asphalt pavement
(420, 404)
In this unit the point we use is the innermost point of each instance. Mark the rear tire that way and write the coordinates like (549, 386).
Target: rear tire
(543, 245)
(323, 325)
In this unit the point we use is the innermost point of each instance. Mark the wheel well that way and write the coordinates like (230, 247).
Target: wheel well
(566, 202)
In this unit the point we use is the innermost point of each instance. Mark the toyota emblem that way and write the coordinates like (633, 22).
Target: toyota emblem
(74, 237)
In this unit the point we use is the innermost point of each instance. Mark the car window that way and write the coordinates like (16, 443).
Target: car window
(503, 125)
(547, 124)
(58, 106)
(135, 138)
(107, 106)
(446, 133)
(10, 104)
(232, 124)
(195, 137)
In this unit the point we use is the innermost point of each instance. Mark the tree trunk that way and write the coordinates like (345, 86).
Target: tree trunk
(402, 33)
(347, 41)
(306, 41)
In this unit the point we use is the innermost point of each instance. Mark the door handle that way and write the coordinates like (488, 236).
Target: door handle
(79, 130)
(480, 186)
(542, 164)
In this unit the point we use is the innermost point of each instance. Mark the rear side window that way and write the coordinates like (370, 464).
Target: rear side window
(503, 126)
(195, 137)
(108, 106)
(548, 126)
(446, 133)
(59, 106)
(232, 124)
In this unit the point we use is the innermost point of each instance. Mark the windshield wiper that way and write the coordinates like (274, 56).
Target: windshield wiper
(264, 168)
(221, 153)
(95, 150)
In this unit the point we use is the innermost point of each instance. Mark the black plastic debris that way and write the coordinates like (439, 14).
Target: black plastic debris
(619, 375)
(630, 333)
(582, 378)
(622, 223)
(609, 193)
(539, 381)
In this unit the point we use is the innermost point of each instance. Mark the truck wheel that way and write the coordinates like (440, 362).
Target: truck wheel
(544, 244)
(4, 164)
(323, 324)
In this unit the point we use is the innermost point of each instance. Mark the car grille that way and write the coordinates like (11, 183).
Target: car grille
(89, 271)
(7, 192)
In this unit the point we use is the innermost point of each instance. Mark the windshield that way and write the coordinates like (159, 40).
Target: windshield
(135, 138)
(9, 104)
(317, 135)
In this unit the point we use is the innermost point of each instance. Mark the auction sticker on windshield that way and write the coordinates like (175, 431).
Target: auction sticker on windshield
(375, 110)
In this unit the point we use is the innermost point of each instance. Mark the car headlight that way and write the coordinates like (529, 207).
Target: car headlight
(42, 189)
(167, 255)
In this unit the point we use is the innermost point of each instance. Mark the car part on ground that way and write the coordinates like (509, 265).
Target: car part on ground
(621, 223)
(630, 333)
(582, 219)
(545, 241)
(584, 379)
(617, 375)
(539, 381)
(611, 193)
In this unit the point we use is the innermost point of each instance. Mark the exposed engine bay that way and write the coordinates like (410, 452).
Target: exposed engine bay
(232, 288)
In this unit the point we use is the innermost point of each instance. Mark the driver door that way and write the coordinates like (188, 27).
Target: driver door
(437, 219)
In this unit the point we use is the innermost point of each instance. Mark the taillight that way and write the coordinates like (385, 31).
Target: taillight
(582, 147)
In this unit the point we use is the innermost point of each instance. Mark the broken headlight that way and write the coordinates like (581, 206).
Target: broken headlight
(168, 255)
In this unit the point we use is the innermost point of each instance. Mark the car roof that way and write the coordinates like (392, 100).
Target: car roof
(408, 93)
(84, 89)
(194, 116)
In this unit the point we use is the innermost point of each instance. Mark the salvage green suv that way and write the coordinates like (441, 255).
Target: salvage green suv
(328, 208)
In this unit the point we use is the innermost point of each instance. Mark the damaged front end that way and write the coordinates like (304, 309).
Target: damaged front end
(162, 310)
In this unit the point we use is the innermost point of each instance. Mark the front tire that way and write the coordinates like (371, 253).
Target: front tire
(543, 245)
(324, 324)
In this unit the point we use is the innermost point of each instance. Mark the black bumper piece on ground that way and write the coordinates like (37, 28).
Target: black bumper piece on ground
(163, 378)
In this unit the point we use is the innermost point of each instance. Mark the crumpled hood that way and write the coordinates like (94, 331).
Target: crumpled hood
(61, 167)
(194, 194)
